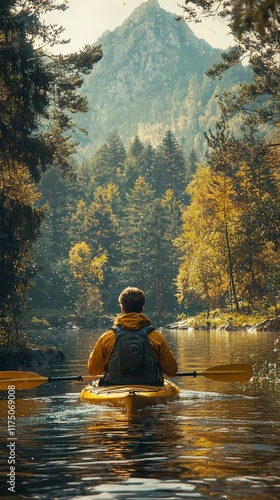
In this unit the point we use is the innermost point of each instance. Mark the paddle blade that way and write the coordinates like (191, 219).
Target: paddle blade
(241, 372)
(20, 380)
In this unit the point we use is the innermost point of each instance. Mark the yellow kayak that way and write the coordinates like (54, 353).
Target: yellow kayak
(130, 397)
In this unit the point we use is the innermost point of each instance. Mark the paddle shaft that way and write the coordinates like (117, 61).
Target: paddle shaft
(66, 377)
(186, 374)
(212, 372)
(20, 380)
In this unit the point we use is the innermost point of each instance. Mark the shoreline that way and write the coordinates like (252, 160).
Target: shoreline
(269, 324)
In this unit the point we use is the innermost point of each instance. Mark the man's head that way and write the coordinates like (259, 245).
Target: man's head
(132, 300)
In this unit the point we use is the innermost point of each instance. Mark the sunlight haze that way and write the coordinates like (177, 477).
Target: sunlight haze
(86, 20)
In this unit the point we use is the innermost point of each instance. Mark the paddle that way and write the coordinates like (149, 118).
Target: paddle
(28, 380)
(241, 372)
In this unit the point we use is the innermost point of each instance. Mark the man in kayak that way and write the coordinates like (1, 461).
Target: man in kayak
(132, 351)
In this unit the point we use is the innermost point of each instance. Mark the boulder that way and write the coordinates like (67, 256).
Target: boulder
(15, 357)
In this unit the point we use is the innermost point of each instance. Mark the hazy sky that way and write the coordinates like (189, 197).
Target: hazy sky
(86, 20)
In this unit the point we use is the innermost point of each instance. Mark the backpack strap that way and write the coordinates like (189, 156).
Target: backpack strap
(148, 329)
(118, 329)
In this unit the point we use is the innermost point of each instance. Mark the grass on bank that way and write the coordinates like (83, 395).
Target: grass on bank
(217, 319)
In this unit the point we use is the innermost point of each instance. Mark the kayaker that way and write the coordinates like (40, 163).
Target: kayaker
(132, 351)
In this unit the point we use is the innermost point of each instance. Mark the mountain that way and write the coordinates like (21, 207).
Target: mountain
(151, 79)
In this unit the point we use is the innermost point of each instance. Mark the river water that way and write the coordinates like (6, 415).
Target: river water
(218, 440)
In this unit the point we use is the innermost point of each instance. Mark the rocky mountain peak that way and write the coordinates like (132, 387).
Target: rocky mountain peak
(151, 78)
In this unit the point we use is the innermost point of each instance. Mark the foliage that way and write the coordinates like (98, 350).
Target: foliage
(98, 224)
(226, 254)
(108, 161)
(138, 235)
(120, 222)
(170, 169)
(221, 319)
(243, 16)
(124, 220)
(242, 187)
(201, 275)
(39, 96)
(88, 272)
(19, 228)
(226, 244)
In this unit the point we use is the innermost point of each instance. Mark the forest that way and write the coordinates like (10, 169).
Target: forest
(185, 233)
(194, 235)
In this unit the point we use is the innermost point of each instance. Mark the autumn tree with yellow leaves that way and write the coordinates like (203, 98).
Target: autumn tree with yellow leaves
(229, 248)
(89, 275)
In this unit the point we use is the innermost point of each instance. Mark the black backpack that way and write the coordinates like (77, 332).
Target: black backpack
(132, 360)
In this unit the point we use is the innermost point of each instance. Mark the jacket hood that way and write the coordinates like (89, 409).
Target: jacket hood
(132, 321)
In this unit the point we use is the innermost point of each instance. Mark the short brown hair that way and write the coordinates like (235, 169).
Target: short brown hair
(132, 299)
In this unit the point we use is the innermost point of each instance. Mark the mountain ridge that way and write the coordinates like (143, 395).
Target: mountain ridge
(151, 79)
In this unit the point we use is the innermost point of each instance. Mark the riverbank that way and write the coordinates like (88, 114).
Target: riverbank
(228, 322)
(217, 320)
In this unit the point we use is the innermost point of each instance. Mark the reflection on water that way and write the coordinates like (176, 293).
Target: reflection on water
(218, 440)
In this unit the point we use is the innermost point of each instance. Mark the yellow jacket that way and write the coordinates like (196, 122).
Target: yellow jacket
(99, 357)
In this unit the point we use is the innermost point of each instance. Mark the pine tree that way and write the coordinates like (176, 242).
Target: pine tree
(98, 225)
(170, 170)
(258, 194)
(116, 157)
(51, 250)
(149, 163)
(170, 229)
(149, 259)
(39, 93)
(134, 164)
(107, 163)
(191, 164)
(136, 229)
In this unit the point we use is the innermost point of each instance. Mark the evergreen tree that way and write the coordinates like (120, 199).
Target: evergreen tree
(257, 101)
(116, 157)
(248, 162)
(149, 259)
(191, 164)
(149, 162)
(108, 161)
(39, 92)
(98, 225)
(51, 251)
(229, 241)
(170, 170)
(137, 238)
(98, 165)
(134, 166)
(170, 229)
(258, 194)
